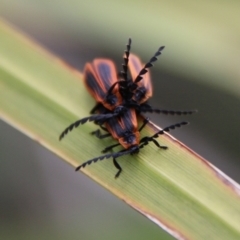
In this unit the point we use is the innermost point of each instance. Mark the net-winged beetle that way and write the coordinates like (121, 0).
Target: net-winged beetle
(118, 91)
(120, 98)
(118, 95)
(125, 130)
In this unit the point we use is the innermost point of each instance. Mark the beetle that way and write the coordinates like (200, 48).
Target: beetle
(124, 129)
(138, 87)
(119, 102)
(101, 80)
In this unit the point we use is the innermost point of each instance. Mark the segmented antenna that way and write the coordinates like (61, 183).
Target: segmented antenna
(126, 58)
(98, 118)
(94, 160)
(148, 108)
(146, 140)
(148, 65)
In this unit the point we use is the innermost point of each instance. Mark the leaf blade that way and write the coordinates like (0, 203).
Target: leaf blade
(175, 188)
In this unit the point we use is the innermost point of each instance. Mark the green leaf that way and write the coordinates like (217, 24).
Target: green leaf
(176, 188)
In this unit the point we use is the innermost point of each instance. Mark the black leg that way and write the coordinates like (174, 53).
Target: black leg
(118, 167)
(158, 145)
(107, 156)
(98, 134)
(145, 122)
(146, 140)
(109, 148)
(103, 128)
(95, 108)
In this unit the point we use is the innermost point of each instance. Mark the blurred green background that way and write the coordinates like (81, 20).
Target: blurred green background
(42, 197)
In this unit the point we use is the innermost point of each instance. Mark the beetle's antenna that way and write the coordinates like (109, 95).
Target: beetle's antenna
(149, 64)
(147, 108)
(97, 117)
(106, 156)
(125, 58)
(146, 140)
